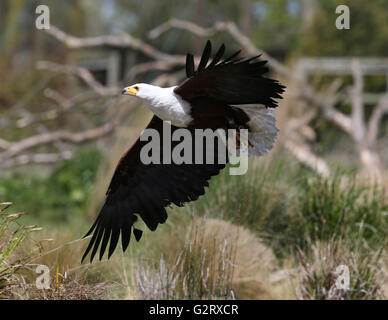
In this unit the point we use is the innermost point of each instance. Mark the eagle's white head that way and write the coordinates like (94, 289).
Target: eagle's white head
(142, 90)
(163, 102)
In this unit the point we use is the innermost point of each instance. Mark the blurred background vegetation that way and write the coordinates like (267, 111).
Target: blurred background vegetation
(317, 201)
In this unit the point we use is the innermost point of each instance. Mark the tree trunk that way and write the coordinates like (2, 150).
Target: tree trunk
(370, 160)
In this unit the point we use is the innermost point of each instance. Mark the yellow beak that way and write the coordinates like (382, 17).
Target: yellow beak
(130, 91)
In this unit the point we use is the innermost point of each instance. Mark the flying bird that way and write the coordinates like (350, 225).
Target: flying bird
(230, 93)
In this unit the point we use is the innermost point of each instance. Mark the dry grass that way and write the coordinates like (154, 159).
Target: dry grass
(64, 289)
(68, 279)
(210, 259)
(318, 274)
(383, 278)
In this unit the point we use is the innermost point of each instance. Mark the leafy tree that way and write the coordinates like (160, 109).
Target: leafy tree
(367, 35)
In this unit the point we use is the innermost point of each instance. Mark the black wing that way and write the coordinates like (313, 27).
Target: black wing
(145, 190)
(231, 81)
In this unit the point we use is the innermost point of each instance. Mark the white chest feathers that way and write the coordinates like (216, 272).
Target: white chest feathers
(168, 106)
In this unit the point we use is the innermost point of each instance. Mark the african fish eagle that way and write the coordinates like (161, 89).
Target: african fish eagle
(229, 93)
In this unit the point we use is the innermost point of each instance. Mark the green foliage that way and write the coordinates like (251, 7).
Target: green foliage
(277, 31)
(366, 37)
(65, 193)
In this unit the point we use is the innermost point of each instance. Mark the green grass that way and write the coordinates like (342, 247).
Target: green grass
(342, 207)
(62, 195)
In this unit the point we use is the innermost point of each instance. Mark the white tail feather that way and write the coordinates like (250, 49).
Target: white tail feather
(262, 129)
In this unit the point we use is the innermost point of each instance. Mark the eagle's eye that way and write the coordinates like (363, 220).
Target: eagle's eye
(136, 88)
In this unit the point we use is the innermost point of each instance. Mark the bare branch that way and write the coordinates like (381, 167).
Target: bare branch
(219, 26)
(82, 73)
(4, 144)
(326, 103)
(148, 66)
(38, 158)
(49, 137)
(357, 103)
(308, 133)
(338, 118)
(304, 154)
(296, 123)
(378, 112)
(122, 40)
(64, 104)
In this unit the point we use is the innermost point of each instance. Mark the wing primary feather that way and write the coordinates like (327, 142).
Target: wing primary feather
(92, 228)
(89, 246)
(116, 226)
(126, 234)
(117, 214)
(126, 226)
(254, 58)
(137, 233)
(104, 242)
(97, 243)
(113, 241)
(234, 55)
(218, 56)
(190, 71)
(205, 56)
(98, 232)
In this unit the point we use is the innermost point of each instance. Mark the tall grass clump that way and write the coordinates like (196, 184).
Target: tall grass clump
(21, 252)
(209, 259)
(68, 278)
(322, 266)
(340, 207)
(11, 236)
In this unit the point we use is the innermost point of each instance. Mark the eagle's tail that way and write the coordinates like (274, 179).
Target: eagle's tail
(262, 129)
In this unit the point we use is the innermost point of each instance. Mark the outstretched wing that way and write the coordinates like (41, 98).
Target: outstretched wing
(144, 190)
(232, 81)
